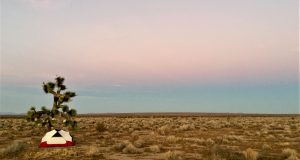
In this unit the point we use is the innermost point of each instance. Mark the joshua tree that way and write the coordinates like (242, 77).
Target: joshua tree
(60, 112)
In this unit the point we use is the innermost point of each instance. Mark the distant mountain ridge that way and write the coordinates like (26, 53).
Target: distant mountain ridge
(11, 113)
(165, 114)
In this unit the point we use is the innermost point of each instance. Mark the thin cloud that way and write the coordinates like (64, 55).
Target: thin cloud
(48, 4)
(117, 85)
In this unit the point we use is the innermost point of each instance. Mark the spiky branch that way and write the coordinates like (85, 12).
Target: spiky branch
(60, 110)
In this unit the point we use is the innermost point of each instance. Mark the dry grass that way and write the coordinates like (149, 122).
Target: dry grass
(154, 149)
(139, 143)
(100, 127)
(172, 139)
(172, 155)
(293, 157)
(290, 154)
(250, 154)
(130, 148)
(15, 148)
(215, 138)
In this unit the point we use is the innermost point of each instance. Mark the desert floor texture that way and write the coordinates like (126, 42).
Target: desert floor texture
(160, 138)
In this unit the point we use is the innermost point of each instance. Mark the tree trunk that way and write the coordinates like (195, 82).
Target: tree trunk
(55, 100)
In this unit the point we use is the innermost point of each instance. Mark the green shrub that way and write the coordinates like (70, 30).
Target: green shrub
(100, 127)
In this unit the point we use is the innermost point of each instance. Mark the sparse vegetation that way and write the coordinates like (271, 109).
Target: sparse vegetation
(211, 138)
(119, 146)
(139, 143)
(61, 113)
(13, 149)
(100, 127)
(172, 139)
(290, 154)
(130, 148)
(250, 154)
(154, 149)
(172, 155)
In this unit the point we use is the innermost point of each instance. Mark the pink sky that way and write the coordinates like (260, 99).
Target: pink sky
(155, 55)
(158, 42)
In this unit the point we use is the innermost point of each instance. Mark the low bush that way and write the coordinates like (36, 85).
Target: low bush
(250, 154)
(100, 127)
(14, 148)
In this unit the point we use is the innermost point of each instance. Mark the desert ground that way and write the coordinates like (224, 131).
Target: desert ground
(114, 137)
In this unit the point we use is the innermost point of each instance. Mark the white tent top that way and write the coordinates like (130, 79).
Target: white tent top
(57, 137)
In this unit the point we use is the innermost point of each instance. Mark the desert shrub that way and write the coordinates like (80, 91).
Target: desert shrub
(131, 149)
(266, 147)
(139, 143)
(292, 157)
(124, 126)
(287, 152)
(271, 138)
(209, 141)
(13, 149)
(213, 124)
(134, 136)
(200, 141)
(248, 133)
(264, 131)
(234, 138)
(222, 140)
(163, 130)
(250, 154)
(131, 129)
(172, 155)
(204, 129)
(293, 125)
(215, 157)
(154, 149)
(11, 137)
(119, 146)
(185, 127)
(257, 133)
(50, 154)
(92, 150)
(218, 152)
(172, 139)
(100, 127)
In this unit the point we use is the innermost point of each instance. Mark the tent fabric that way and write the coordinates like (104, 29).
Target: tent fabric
(57, 138)
(57, 135)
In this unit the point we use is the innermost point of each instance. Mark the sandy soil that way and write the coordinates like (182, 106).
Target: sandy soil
(171, 138)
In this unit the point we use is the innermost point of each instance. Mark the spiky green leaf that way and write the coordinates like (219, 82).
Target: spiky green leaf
(63, 87)
(72, 112)
(50, 86)
(65, 108)
(45, 88)
(59, 81)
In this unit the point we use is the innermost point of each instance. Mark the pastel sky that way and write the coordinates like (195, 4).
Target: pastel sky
(152, 56)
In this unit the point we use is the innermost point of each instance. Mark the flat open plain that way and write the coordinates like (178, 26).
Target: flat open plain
(160, 136)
